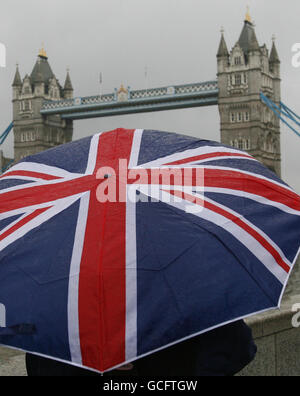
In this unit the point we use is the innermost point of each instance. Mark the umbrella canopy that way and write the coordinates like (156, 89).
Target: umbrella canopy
(118, 245)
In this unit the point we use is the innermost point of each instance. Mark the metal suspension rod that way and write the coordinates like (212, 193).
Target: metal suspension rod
(6, 133)
(280, 112)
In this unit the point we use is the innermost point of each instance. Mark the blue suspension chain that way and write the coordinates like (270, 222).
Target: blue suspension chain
(6, 133)
(281, 111)
(2, 140)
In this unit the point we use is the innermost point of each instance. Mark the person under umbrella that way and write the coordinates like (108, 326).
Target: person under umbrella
(117, 246)
(224, 351)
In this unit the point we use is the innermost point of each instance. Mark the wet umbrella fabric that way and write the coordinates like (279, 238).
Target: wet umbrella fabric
(103, 261)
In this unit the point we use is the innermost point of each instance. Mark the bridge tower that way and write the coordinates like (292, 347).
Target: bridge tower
(246, 123)
(32, 131)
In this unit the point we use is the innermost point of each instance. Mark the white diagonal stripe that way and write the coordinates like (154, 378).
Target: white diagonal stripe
(135, 151)
(192, 153)
(253, 197)
(57, 207)
(93, 154)
(73, 294)
(131, 260)
(40, 168)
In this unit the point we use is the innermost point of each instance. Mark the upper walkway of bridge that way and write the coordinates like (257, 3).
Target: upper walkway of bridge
(127, 101)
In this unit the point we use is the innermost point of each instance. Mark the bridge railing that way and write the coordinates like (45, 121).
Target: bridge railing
(148, 93)
(175, 90)
(51, 104)
(98, 99)
(196, 87)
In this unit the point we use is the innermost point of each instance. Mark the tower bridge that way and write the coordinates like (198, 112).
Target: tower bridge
(44, 111)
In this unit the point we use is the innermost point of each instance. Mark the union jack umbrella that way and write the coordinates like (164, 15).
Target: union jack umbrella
(121, 244)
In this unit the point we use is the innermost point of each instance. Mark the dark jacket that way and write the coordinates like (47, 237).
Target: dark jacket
(221, 352)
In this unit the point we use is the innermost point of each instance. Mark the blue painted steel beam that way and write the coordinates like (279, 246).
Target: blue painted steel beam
(139, 108)
(281, 112)
(7, 166)
(6, 133)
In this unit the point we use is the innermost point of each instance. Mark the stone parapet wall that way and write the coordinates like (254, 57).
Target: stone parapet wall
(278, 343)
(293, 287)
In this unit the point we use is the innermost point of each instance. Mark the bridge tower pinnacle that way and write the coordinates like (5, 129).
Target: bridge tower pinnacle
(34, 132)
(246, 123)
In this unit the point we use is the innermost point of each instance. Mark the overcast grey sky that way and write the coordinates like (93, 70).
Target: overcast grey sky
(176, 39)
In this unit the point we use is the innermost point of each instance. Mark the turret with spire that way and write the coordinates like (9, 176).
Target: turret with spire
(17, 84)
(248, 41)
(38, 80)
(222, 51)
(68, 87)
(223, 54)
(17, 79)
(42, 71)
(274, 64)
(274, 60)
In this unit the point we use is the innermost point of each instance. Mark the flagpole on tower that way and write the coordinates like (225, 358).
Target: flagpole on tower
(146, 77)
(100, 81)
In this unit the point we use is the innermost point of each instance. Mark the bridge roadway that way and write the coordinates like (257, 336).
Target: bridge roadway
(126, 101)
